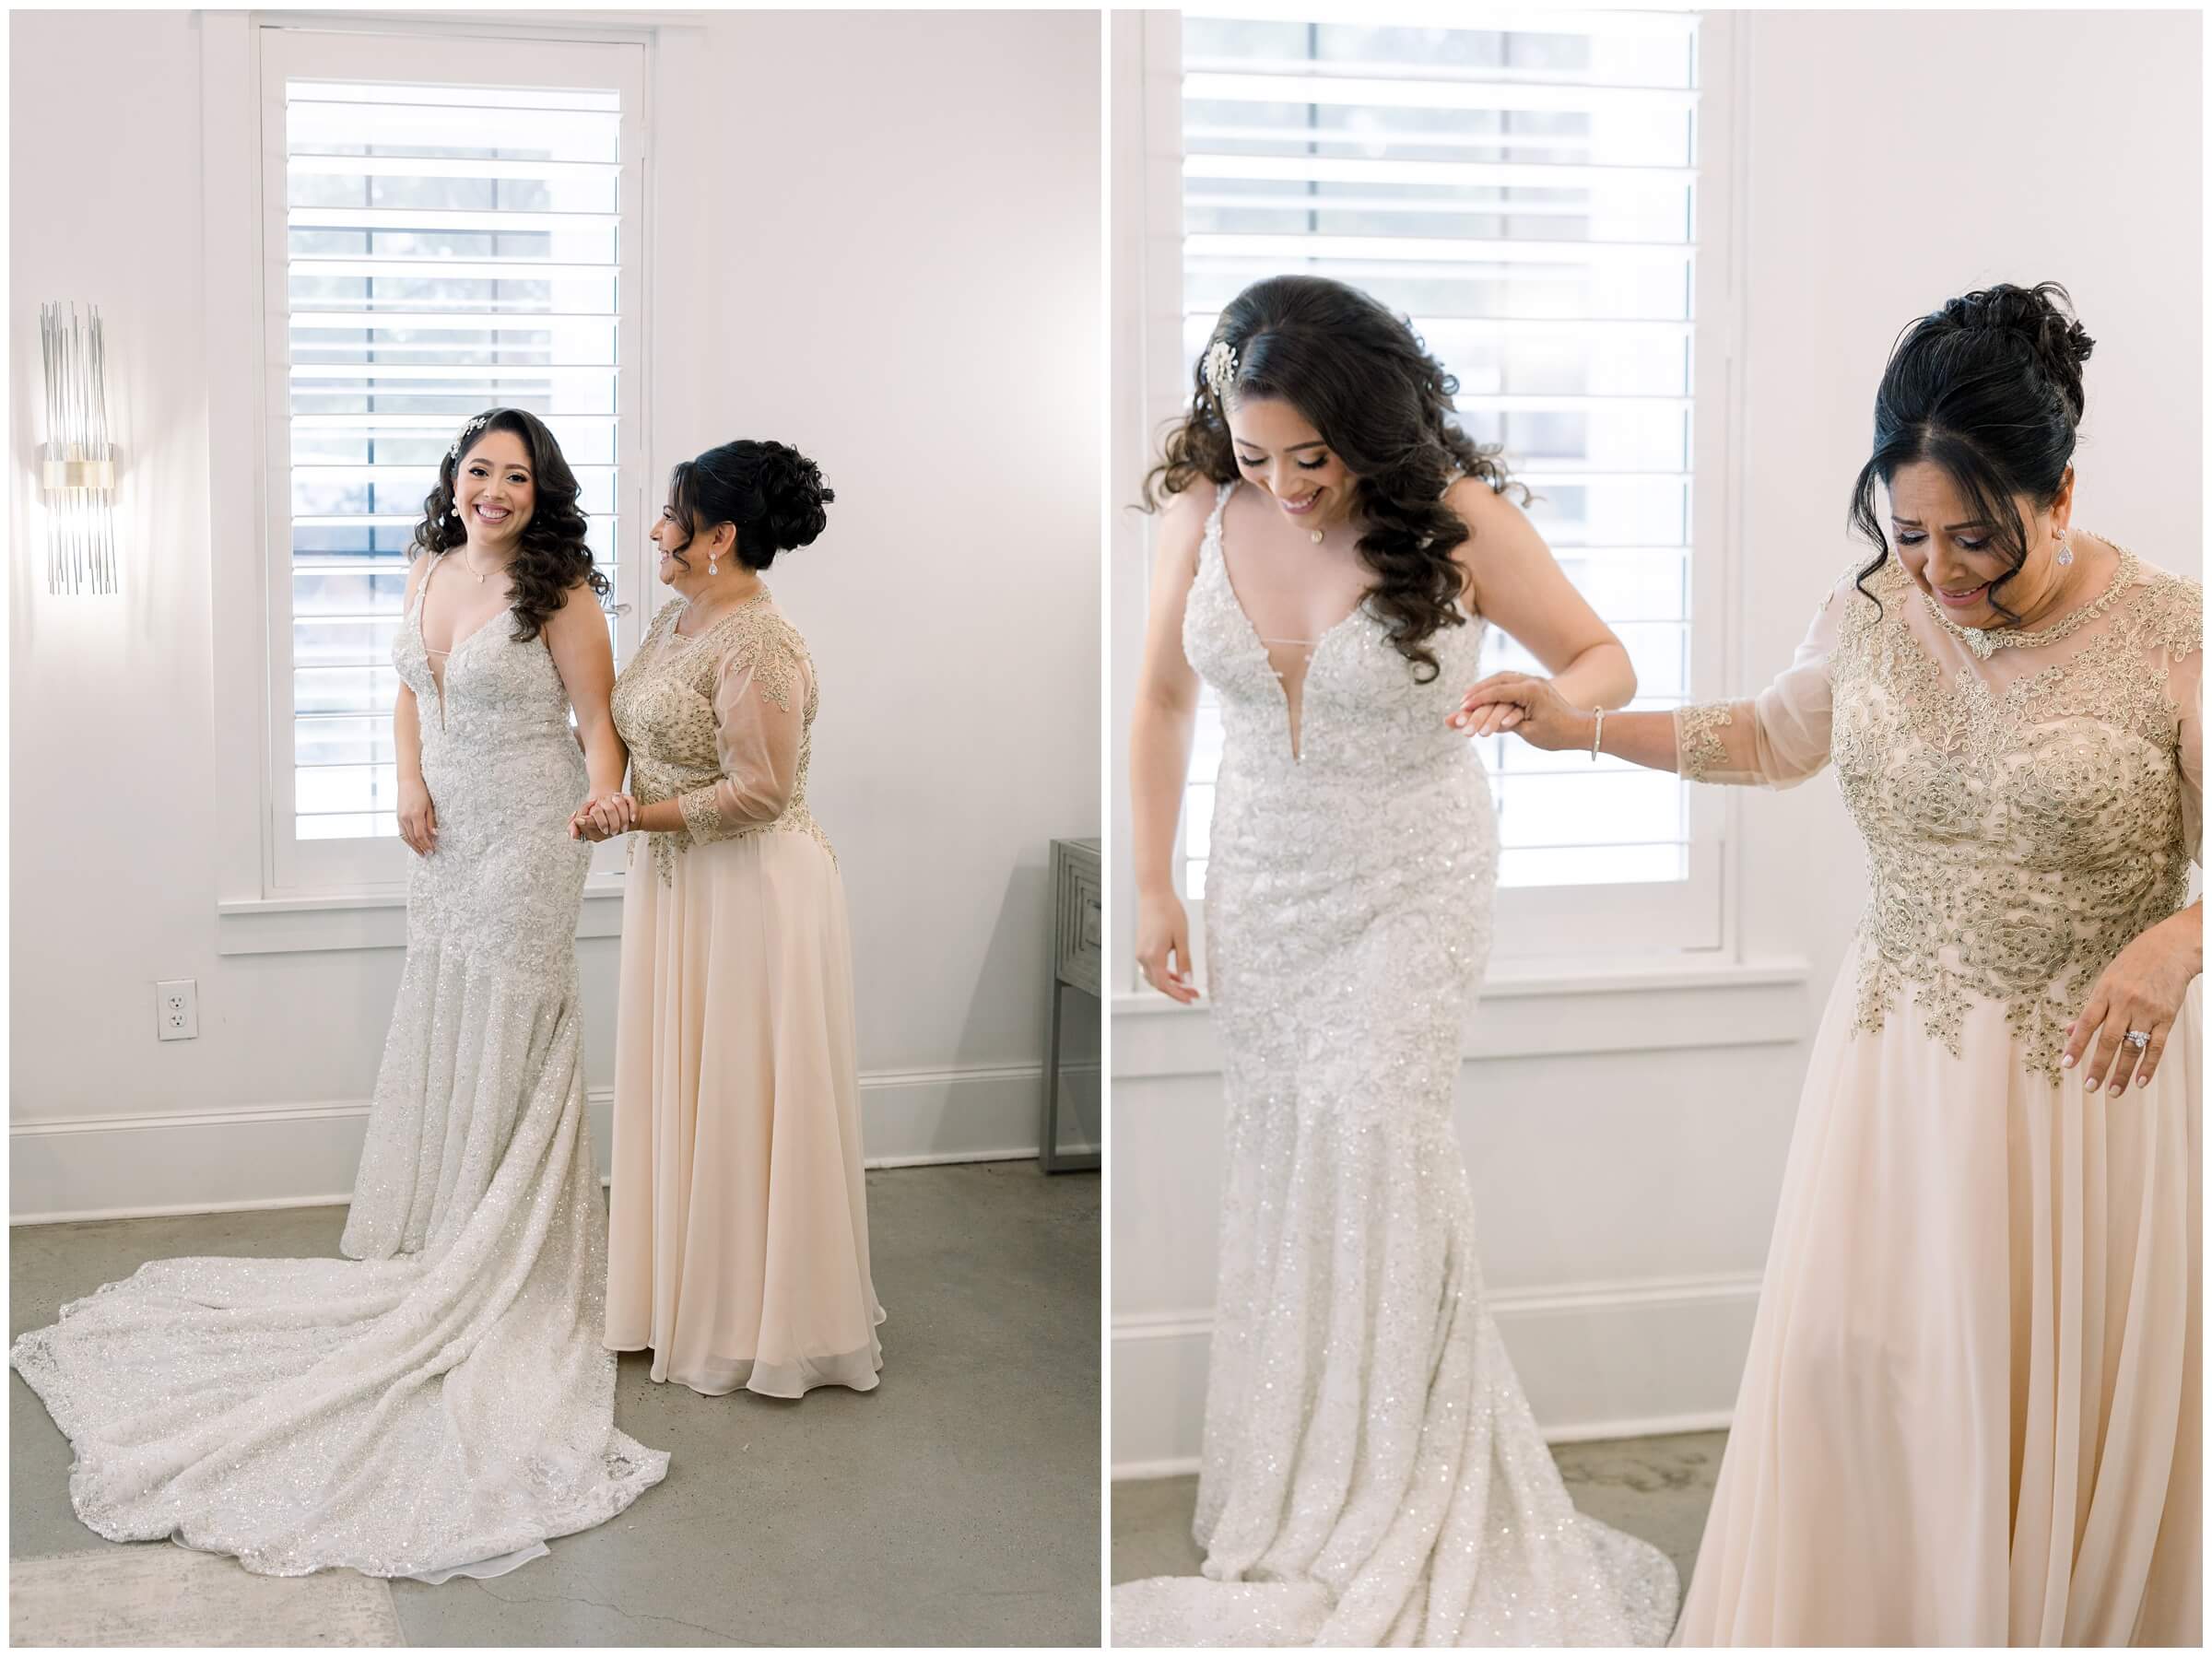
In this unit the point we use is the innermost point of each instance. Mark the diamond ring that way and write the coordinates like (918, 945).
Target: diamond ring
(2138, 1039)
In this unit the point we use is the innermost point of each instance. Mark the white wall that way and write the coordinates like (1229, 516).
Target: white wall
(1894, 159)
(877, 238)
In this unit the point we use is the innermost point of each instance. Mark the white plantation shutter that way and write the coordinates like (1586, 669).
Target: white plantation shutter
(435, 246)
(1524, 186)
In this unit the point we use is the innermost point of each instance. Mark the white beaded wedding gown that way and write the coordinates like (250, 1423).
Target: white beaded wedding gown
(440, 1404)
(1371, 1475)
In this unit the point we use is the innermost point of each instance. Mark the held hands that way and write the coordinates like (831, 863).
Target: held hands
(1163, 933)
(417, 816)
(602, 817)
(1531, 707)
(2141, 990)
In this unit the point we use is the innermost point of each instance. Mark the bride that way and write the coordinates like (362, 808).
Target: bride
(1331, 550)
(440, 1404)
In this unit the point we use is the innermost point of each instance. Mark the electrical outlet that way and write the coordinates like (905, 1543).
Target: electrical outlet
(177, 1005)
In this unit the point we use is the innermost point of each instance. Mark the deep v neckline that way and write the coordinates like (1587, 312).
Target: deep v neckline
(1293, 715)
(430, 656)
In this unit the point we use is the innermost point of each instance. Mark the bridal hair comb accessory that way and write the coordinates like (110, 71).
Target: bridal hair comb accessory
(1220, 367)
(467, 431)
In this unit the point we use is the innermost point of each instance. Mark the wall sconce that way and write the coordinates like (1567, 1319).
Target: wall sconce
(77, 476)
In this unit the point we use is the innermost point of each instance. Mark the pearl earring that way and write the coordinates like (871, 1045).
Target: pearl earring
(2065, 553)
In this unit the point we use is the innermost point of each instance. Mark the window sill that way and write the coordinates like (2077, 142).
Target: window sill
(367, 921)
(1539, 1009)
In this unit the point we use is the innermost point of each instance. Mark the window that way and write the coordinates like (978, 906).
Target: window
(435, 244)
(1527, 192)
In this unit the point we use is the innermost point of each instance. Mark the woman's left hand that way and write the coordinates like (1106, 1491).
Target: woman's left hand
(603, 817)
(2141, 990)
(1518, 701)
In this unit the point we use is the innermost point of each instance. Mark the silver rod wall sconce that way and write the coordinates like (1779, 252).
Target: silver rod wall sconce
(77, 469)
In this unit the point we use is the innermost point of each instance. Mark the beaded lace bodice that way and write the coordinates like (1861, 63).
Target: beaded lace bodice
(2031, 801)
(723, 724)
(493, 690)
(504, 771)
(1365, 720)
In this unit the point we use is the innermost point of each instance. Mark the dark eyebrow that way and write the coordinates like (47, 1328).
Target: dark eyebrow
(1949, 529)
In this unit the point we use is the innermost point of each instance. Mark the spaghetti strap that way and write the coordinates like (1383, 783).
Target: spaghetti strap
(1221, 494)
(422, 588)
(1211, 541)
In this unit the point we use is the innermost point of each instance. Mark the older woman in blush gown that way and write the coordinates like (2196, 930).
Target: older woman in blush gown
(740, 1250)
(1970, 1411)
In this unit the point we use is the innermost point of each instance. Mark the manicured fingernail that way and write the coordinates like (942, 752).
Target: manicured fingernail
(2143, 1081)
(2067, 1060)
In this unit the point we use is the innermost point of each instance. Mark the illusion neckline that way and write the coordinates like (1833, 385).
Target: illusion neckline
(1985, 641)
(737, 609)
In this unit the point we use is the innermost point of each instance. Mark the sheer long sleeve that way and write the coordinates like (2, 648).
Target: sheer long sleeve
(1777, 738)
(2188, 690)
(760, 724)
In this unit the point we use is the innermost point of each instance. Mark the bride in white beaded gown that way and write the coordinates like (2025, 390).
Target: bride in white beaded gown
(1371, 1471)
(440, 1404)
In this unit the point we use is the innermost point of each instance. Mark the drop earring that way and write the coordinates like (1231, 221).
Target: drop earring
(2065, 553)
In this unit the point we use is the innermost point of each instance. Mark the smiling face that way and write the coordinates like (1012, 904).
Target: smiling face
(494, 491)
(1955, 558)
(706, 547)
(1277, 448)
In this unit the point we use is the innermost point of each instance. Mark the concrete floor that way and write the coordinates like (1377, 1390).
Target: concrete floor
(958, 1504)
(1656, 1488)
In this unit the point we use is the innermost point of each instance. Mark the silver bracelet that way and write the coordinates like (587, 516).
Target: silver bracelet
(1597, 736)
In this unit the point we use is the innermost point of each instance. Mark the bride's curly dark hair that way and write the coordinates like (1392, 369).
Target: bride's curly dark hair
(1363, 380)
(553, 556)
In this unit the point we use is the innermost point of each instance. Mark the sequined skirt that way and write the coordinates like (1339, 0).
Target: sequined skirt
(1372, 1471)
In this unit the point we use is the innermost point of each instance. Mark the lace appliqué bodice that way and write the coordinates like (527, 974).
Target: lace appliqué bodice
(1365, 719)
(723, 724)
(495, 689)
(505, 771)
(2029, 801)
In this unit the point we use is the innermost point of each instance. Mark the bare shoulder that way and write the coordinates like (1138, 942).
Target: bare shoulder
(1185, 515)
(579, 601)
(578, 616)
(1500, 538)
(1182, 523)
(1480, 507)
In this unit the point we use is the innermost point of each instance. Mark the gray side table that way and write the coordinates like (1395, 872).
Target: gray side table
(1076, 954)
